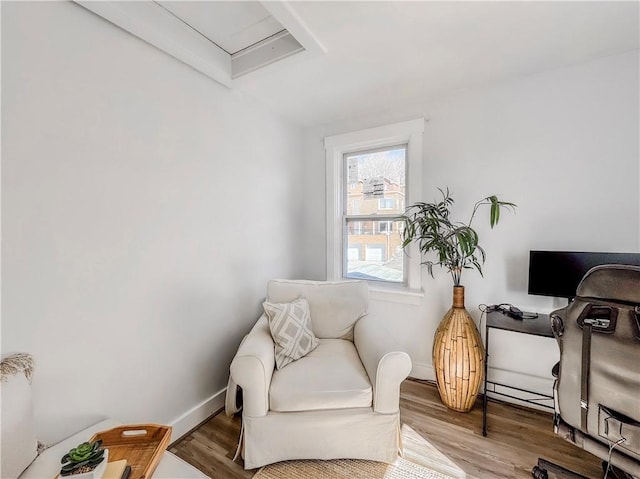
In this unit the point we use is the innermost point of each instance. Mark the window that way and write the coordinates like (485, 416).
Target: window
(386, 203)
(369, 211)
(387, 227)
(371, 175)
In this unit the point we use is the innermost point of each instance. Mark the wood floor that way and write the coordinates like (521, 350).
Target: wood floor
(517, 437)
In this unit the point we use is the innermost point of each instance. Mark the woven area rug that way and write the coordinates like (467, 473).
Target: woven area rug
(421, 461)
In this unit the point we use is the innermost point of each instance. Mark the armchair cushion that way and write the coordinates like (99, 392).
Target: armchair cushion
(290, 327)
(335, 306)
(329, 377)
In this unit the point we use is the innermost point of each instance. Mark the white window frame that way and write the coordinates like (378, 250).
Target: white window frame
(406, 132)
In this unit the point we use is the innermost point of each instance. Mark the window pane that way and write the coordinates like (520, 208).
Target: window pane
(374, 250)
(375, 181)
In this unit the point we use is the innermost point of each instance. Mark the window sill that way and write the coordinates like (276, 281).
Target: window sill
(402, 295)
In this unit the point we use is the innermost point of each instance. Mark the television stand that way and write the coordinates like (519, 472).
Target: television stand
(539, 326)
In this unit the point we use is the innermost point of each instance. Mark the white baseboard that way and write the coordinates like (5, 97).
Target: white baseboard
(197, 414)
(543, 385)
(426, 372)
(422, 371)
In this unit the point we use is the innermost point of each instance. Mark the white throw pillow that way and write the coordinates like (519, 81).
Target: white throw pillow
(335, 306)
(19, 444)
(290, 325)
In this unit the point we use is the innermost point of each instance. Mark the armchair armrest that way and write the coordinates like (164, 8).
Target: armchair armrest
(385, 365)
(252, 368)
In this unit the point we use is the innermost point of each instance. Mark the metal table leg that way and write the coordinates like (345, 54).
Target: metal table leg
(484, 396)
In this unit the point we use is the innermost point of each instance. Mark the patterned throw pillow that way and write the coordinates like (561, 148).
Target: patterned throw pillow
(290, 325)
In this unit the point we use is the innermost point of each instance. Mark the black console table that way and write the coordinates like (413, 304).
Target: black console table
(539, 326)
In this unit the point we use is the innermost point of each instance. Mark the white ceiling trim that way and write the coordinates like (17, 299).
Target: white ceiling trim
(270, 50)
(154, 24)
(282, 11)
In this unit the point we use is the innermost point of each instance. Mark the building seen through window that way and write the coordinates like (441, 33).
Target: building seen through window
(375, 197)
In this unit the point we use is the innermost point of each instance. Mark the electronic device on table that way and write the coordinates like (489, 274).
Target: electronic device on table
(510, 310)
(558, 273)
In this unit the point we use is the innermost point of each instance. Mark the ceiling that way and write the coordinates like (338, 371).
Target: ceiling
(317, 62)
(383, 54)
(233, 26)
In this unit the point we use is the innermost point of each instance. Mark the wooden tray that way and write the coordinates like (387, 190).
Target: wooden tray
(142, 445)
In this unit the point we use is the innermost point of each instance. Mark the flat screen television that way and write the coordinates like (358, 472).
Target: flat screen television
(558, 273)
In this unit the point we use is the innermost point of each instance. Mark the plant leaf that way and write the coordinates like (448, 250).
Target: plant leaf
(456, 245)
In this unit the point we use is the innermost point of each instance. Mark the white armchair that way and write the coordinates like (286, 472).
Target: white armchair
(339, 401)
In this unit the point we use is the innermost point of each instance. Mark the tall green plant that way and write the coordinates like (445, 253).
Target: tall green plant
(455, 243)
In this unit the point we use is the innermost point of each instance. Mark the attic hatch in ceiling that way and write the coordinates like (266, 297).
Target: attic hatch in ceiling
(223, 39)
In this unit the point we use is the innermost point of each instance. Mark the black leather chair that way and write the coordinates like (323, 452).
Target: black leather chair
(597, 387)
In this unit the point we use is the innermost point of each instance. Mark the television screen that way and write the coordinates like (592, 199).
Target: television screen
(558, 273)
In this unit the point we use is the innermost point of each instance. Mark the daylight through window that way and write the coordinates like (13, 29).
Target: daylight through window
(374, 197)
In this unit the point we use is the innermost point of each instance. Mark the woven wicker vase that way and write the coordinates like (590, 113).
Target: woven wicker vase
(458, 356)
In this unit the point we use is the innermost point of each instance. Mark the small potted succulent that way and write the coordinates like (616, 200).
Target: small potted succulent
(88, 459)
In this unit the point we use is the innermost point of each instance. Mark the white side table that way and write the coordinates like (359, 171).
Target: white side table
(47, 464)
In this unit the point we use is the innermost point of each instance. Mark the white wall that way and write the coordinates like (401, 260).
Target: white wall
(144, 206)
(562, 145)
